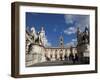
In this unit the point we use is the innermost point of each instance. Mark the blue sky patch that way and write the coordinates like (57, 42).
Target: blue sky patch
(56, 25)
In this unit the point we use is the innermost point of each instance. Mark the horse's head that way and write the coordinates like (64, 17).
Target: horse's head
(33, 30)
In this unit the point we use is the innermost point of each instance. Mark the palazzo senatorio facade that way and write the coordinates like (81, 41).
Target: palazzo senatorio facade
(37, 51)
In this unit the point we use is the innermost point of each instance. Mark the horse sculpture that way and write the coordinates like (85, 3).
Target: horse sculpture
(33, 34)
(38, 38)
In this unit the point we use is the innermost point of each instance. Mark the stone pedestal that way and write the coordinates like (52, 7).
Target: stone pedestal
(36, 55)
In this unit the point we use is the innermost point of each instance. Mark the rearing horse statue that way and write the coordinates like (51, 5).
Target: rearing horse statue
(34, 35)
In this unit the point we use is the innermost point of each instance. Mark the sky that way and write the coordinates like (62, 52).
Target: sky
(56, 25)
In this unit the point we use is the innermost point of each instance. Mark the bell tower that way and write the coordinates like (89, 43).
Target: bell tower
(61, 42)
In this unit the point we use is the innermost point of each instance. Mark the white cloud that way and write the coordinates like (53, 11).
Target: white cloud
(70, 30)
(74, 40)
(49, 44)
(69, 19)
(80, 21)
(54, 29)
(46, 42)
(70, 44)
(73, 43)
